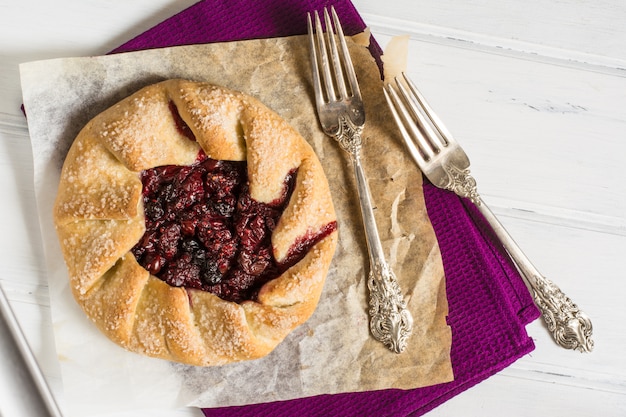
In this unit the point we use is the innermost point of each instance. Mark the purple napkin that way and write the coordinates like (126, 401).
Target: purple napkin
(489, 305)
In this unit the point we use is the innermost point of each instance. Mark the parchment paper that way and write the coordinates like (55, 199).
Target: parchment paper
(333, 352)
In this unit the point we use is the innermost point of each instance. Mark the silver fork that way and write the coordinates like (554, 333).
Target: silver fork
(446, 165)
(341, 114)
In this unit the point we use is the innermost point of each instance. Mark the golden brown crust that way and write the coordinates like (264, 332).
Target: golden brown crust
(99, 218)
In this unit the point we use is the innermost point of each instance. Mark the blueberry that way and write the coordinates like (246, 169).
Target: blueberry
(210, 273)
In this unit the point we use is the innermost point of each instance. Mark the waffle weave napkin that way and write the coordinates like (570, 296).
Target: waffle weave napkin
(489, 305)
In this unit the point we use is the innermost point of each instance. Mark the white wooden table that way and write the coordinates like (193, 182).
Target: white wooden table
(535, 90)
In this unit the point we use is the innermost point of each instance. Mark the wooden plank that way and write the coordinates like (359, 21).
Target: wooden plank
(514, 396)
(594, 29)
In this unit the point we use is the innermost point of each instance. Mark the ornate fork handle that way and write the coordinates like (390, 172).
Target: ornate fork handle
(571, 328)
(390, 321)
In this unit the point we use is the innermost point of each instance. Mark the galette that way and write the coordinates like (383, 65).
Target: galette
(196, 224)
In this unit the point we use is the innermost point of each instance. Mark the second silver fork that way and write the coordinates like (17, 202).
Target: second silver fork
(341, 114)
(446, 165)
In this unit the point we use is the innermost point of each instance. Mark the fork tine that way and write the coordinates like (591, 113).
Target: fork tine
(443, 134)
(323, 60)
(347, 61)
(414, 150)
(404, 112)
(317, 84)
(420, 117)
(334, 53)
(322, 44)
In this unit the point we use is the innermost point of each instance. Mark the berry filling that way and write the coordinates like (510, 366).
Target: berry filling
(182, 127)
(204, 231)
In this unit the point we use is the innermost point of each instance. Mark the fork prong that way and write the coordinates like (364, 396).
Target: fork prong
(417, 142)
(443, 134)
(347, 61)
(414, 150)
(334, 53)
(317, 84)
(323, 59)
(420, 117)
